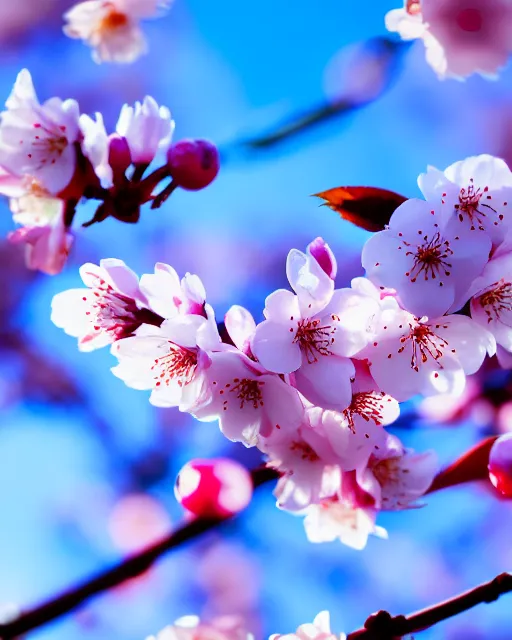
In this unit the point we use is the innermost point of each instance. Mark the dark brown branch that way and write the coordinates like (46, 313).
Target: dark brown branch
(130, 568)
(383, 626)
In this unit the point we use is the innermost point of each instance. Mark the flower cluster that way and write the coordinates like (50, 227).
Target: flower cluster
(314, 384)
(52, 157)
(111, 27)
(461, 37)
(232, 628)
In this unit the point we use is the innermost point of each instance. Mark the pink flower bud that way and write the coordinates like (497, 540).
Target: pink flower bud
(119, 157)
(322, 253)
(214, 488)
(500, 465)
(193, 164)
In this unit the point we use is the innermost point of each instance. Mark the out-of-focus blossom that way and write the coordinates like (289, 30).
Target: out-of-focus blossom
(147, 128)
(136, 521)
(193, 164)
(214, 488)
(313, 332)
(430, 267)
(108, 310)
(461, 37)
(500, 465)
(475, 194)
(191, 628)
(45, 236)
(410, 355)
(247, 400)
(319, 629)
(111, 27)
(37, 140)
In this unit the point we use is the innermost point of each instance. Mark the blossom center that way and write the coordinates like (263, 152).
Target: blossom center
(470, 20)
(112, 20)
(424, 344)
(304, 451)
(497, 300)
(430, 259)
(469, 205)
(248, 391)
(314, 339)
(388, 471)
(111, 311)
(47, 144)
(366, 404)
(178, 364)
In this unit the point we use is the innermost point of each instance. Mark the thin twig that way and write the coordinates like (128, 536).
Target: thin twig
(129, 568)
(383, 626)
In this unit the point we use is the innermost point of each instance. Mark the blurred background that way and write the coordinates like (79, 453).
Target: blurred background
(87, 466)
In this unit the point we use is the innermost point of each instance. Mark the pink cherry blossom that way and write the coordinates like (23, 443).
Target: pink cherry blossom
(430, 267)
(247, 400)
(171, 361)
(396, 477)
(334, 519)
(169, 296)
(491, 304)
(37, 140)
(319, 629)
(111, 27)
(313, 332)
(192, 628)
(410, 355)
(304, 459)
(461, 36)
(147, 128)
(475, 194)
(108, 310)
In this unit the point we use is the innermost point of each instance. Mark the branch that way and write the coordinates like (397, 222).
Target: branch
(383, 626)
(130, 568)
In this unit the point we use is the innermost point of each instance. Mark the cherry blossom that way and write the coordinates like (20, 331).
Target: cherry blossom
(475, 194)
(304, 459)
(396, 477)
(44, 234)
(108, 310)
(319, 629)
(169, 296)
(111, 27)
(247, 400)
(430, 267)
(411, 355)
(171, 361)
(192, 628)
(314, 332)
(491, 304)
(461, 37)
(147, 128)
(334, 519)
(37, 140)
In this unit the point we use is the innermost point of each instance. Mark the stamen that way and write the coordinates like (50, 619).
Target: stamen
(430, 258)
(314, 339)
(177, 365)
(470, 205)
(497, 299)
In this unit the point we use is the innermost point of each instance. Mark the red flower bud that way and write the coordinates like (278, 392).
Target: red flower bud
(193, 164)
(500, 465)
(214, 488)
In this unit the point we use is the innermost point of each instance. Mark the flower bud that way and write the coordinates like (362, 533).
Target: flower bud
(119, 156)
(321, 252)
(193, 164)
(500, 465)
(214, 488)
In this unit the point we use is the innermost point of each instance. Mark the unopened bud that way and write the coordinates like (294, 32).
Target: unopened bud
(193, 164)
(500, 465)
(321, 252)
(214, 488)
